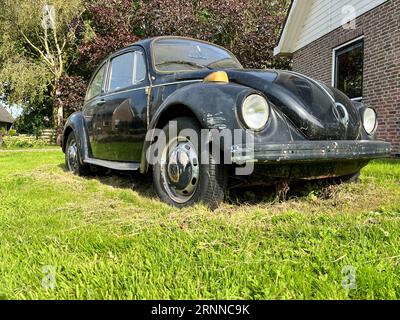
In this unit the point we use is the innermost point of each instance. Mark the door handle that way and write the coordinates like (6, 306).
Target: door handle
(100, 103)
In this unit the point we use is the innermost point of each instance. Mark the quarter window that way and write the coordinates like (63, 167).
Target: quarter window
(348, 69)
(122, 71)
(126, 70)
(140, 74)
(96, 85)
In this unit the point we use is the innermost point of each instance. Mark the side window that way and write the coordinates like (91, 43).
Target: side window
(126, 70)
(140, 70)
(96, 84)
(121, 74)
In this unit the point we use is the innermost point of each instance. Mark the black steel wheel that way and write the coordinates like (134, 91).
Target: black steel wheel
(73, 158)
(180, 178)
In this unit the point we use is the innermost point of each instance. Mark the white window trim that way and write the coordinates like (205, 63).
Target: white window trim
(334, 61)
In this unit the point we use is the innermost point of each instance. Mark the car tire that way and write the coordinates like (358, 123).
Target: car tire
(73, 158)
(210, 179)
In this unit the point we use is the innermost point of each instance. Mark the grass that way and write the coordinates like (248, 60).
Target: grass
(107, 238)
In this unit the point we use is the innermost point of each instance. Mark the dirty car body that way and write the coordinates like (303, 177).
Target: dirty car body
(301, 128)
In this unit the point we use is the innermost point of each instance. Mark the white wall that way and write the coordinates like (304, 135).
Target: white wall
(312, 19)
(326, 15)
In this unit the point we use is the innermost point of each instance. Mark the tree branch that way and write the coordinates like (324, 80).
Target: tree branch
(46, 60)
(59, 54)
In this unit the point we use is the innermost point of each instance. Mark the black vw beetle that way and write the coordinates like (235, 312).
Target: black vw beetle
(301, 129)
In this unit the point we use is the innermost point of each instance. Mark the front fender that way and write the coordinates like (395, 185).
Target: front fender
(76, 124)
(213, 104)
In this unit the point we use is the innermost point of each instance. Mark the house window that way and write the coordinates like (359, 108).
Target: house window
(348, 69)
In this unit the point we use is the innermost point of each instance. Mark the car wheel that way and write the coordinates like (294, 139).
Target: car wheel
(73, 158)
(180, 179)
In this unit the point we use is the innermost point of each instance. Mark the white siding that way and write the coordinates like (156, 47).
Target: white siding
(326, 15)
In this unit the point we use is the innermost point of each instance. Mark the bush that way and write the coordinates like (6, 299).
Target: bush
(12, 132)
(24, 142)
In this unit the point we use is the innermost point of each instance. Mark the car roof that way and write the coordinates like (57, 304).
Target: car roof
(147, 42)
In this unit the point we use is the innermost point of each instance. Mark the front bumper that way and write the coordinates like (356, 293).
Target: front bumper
(311, 151)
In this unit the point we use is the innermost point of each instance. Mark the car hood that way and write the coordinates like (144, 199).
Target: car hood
(318, 111)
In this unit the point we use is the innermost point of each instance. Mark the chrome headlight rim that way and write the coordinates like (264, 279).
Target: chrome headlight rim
(244, 116)
(367, 128)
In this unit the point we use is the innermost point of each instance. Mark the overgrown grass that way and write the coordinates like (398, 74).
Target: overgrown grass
(109, 238)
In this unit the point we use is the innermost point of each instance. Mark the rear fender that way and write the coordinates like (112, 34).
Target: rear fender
(76, 124)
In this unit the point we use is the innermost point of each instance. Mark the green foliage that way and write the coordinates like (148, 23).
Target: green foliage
(33, 58)
(28, 80)
(34, 118)
(12, 132)
(248, 28)
(45, 68)
(24, 142)
(3, 131)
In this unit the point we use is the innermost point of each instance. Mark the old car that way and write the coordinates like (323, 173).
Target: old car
(301, 128)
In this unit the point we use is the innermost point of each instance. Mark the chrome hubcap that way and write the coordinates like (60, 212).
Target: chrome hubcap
(72, 157)
(180, 170)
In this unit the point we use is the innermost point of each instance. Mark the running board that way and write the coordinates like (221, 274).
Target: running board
(122, 166)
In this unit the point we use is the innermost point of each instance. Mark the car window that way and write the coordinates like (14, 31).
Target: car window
(140, 73)
(126, 70)
(121, 74)
(96, 84)
(179, 55)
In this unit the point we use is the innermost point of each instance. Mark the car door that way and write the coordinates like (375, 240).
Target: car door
(123, 108)
(93, 101)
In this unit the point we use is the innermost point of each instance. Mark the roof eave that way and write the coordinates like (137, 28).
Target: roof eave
(294, 22)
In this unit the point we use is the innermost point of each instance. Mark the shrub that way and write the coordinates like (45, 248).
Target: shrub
(12, 132)
(23, 142)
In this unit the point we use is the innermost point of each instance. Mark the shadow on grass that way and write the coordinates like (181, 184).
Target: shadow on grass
(133, 180)
(252, 195)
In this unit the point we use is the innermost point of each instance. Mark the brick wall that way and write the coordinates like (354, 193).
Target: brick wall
(381, 30)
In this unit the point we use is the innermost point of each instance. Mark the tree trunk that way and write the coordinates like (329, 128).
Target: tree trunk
(59, 110)
(58, 116)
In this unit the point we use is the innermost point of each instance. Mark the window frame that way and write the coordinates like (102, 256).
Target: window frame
(334, 63)
(135, 83)
(104, 64)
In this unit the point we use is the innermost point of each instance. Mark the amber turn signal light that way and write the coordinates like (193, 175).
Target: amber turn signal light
(218, 76)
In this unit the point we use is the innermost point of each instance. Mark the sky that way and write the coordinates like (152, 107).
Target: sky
(15, 110)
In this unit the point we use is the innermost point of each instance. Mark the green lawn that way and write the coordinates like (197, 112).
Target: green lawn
(107, 240)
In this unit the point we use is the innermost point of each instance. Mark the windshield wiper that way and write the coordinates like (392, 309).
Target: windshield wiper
(189, 63)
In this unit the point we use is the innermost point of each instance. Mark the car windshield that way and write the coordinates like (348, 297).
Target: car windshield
(180, 55)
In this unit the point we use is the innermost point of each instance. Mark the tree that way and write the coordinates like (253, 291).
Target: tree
(247, 28)
(48, 62)
(105, 26)
(38, 39)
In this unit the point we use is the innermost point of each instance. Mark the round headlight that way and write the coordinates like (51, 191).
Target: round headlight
(255, 112)
(369, 120)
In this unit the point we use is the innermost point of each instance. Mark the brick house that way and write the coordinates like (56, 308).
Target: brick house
(353, 45)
